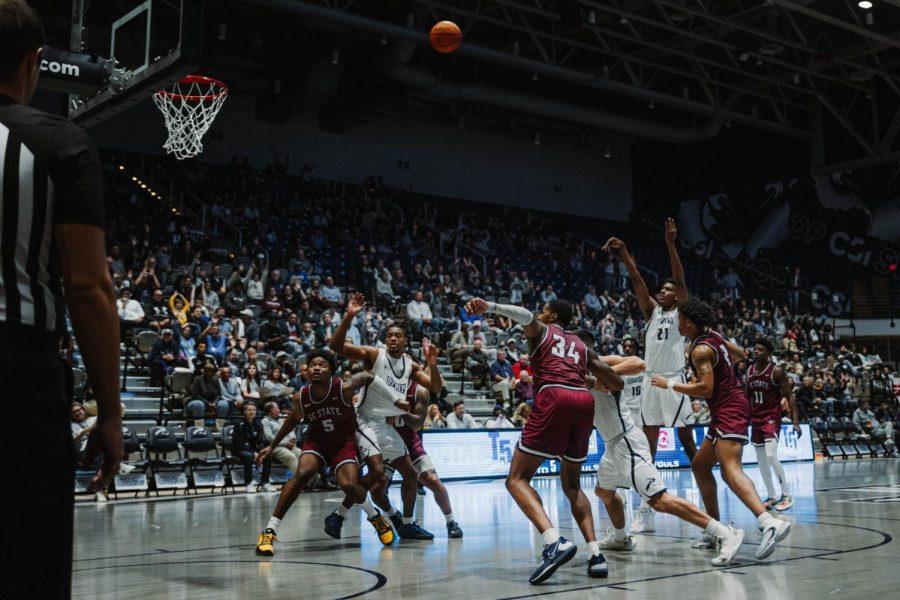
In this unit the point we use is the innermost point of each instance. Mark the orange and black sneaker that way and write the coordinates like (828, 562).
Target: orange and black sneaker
(383, 528)
(265, 544)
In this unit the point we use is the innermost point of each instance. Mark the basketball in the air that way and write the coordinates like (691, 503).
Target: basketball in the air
(445, 36)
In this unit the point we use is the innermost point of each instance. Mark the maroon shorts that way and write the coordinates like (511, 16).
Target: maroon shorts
(413, 443)
(560, 424)
(334, 454)
(768, 430)
(730, 422)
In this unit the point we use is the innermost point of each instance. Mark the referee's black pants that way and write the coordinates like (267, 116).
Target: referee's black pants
(37, 475)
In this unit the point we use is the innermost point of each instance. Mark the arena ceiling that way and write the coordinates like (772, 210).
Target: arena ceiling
(826, 71)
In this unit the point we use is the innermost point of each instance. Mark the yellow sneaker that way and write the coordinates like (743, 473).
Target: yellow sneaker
(265, 544)
(383, 528)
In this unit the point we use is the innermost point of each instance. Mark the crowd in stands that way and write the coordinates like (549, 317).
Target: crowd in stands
(242, 316)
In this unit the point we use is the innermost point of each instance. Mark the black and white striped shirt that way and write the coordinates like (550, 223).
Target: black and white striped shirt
(50, 175)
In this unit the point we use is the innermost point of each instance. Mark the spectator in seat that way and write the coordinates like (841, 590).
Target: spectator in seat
(272, 334)
(236, 299)
(865, 419)
(157, 312)
(331, 294)
(131, 314)
(272, 303)
(520, 417)
(699, 412)
(307, 339)
(593, 304)
(163, 357)
(251, 384)
(384, 292)
(512, 352)
(82, 425)
(460, 419)
(325, 330)
(187, 345)
(217, 344)
(419, 315)
(247, 440)
(203, 357)
(501, 377)
(273, 388)
(287, 452)
(523, 364)
(230, 398)
(499, 420)
(524, 388)
(548, 294)
(434, 419)
(178, 307)
(205, 395)
(478, 364)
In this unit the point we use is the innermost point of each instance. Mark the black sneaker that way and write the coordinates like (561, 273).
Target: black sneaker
(554, 556)
(597, 566)
(412, 531)
(396, 521)
(453, 530)
(333, 524)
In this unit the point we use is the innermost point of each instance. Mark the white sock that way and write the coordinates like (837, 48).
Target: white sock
(449, 517)
(620, 535)
(594, 548)
(763, 519)
(772, 456)
(764, 470)
(273, 523)
(342, 511)
(367, 507)
(644, 505)
(716, 529)
(407, 520)
(394, 512)
(551, 535)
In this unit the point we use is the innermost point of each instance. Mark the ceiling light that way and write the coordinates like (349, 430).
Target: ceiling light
(771, 49)
(865, 4)
(592, 17)
(121, 167)
(607, 152)
(537, 138)
(861, 76)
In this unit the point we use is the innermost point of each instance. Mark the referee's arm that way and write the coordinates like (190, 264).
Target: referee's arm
(89, 296)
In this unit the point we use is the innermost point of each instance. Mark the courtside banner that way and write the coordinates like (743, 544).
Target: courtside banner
(480, 453)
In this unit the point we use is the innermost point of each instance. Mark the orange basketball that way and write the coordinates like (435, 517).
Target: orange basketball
(445, 36)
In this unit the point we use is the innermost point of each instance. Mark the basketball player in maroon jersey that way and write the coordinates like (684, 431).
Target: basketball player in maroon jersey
(559, 427)
(768, 386)
(711, 357)
(326, 404)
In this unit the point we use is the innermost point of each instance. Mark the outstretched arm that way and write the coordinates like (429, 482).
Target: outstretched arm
(787, 390)
(357, 382)
(431, 378)
(604, 373)
(735, 352)
(625, 365)
(533, 328)
(645, 300)
(702, 358)
(338, 343)
(675, 260)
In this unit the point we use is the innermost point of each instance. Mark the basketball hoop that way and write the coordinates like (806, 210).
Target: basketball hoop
(189, 108)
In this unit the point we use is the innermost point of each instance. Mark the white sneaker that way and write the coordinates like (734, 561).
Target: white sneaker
(705, 542)
(785, 502)
(125, 469)
(774, 531)
(251, 488)
(643, 521)
(267, 487)
(611, 543)
(100, 497)
(728, 547)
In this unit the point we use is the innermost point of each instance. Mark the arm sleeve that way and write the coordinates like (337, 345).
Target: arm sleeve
(78, 180)
(518, 314)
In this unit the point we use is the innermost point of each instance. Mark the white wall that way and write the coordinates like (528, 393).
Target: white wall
(872, 327)
(443, 160)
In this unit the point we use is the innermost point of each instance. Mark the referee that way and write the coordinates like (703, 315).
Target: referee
(51, 239)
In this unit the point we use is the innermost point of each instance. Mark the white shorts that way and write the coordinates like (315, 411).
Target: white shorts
(636, 415)
(664, 407)
(422, 466)
(379, 438)
(626, 463)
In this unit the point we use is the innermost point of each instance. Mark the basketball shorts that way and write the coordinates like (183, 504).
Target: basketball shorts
(730, 421)
(422, 465)
(334, 454)
(374, 437)
(664, 407)
(636, 418)
(626, 463)
(560, 425)
(762, 432)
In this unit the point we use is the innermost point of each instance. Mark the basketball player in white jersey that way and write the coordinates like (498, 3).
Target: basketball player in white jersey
(397, 368)
(663, 355)
(378, 443)
(626, 463)
(634, 383)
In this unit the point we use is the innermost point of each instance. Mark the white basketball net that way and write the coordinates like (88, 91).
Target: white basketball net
(189, 108)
